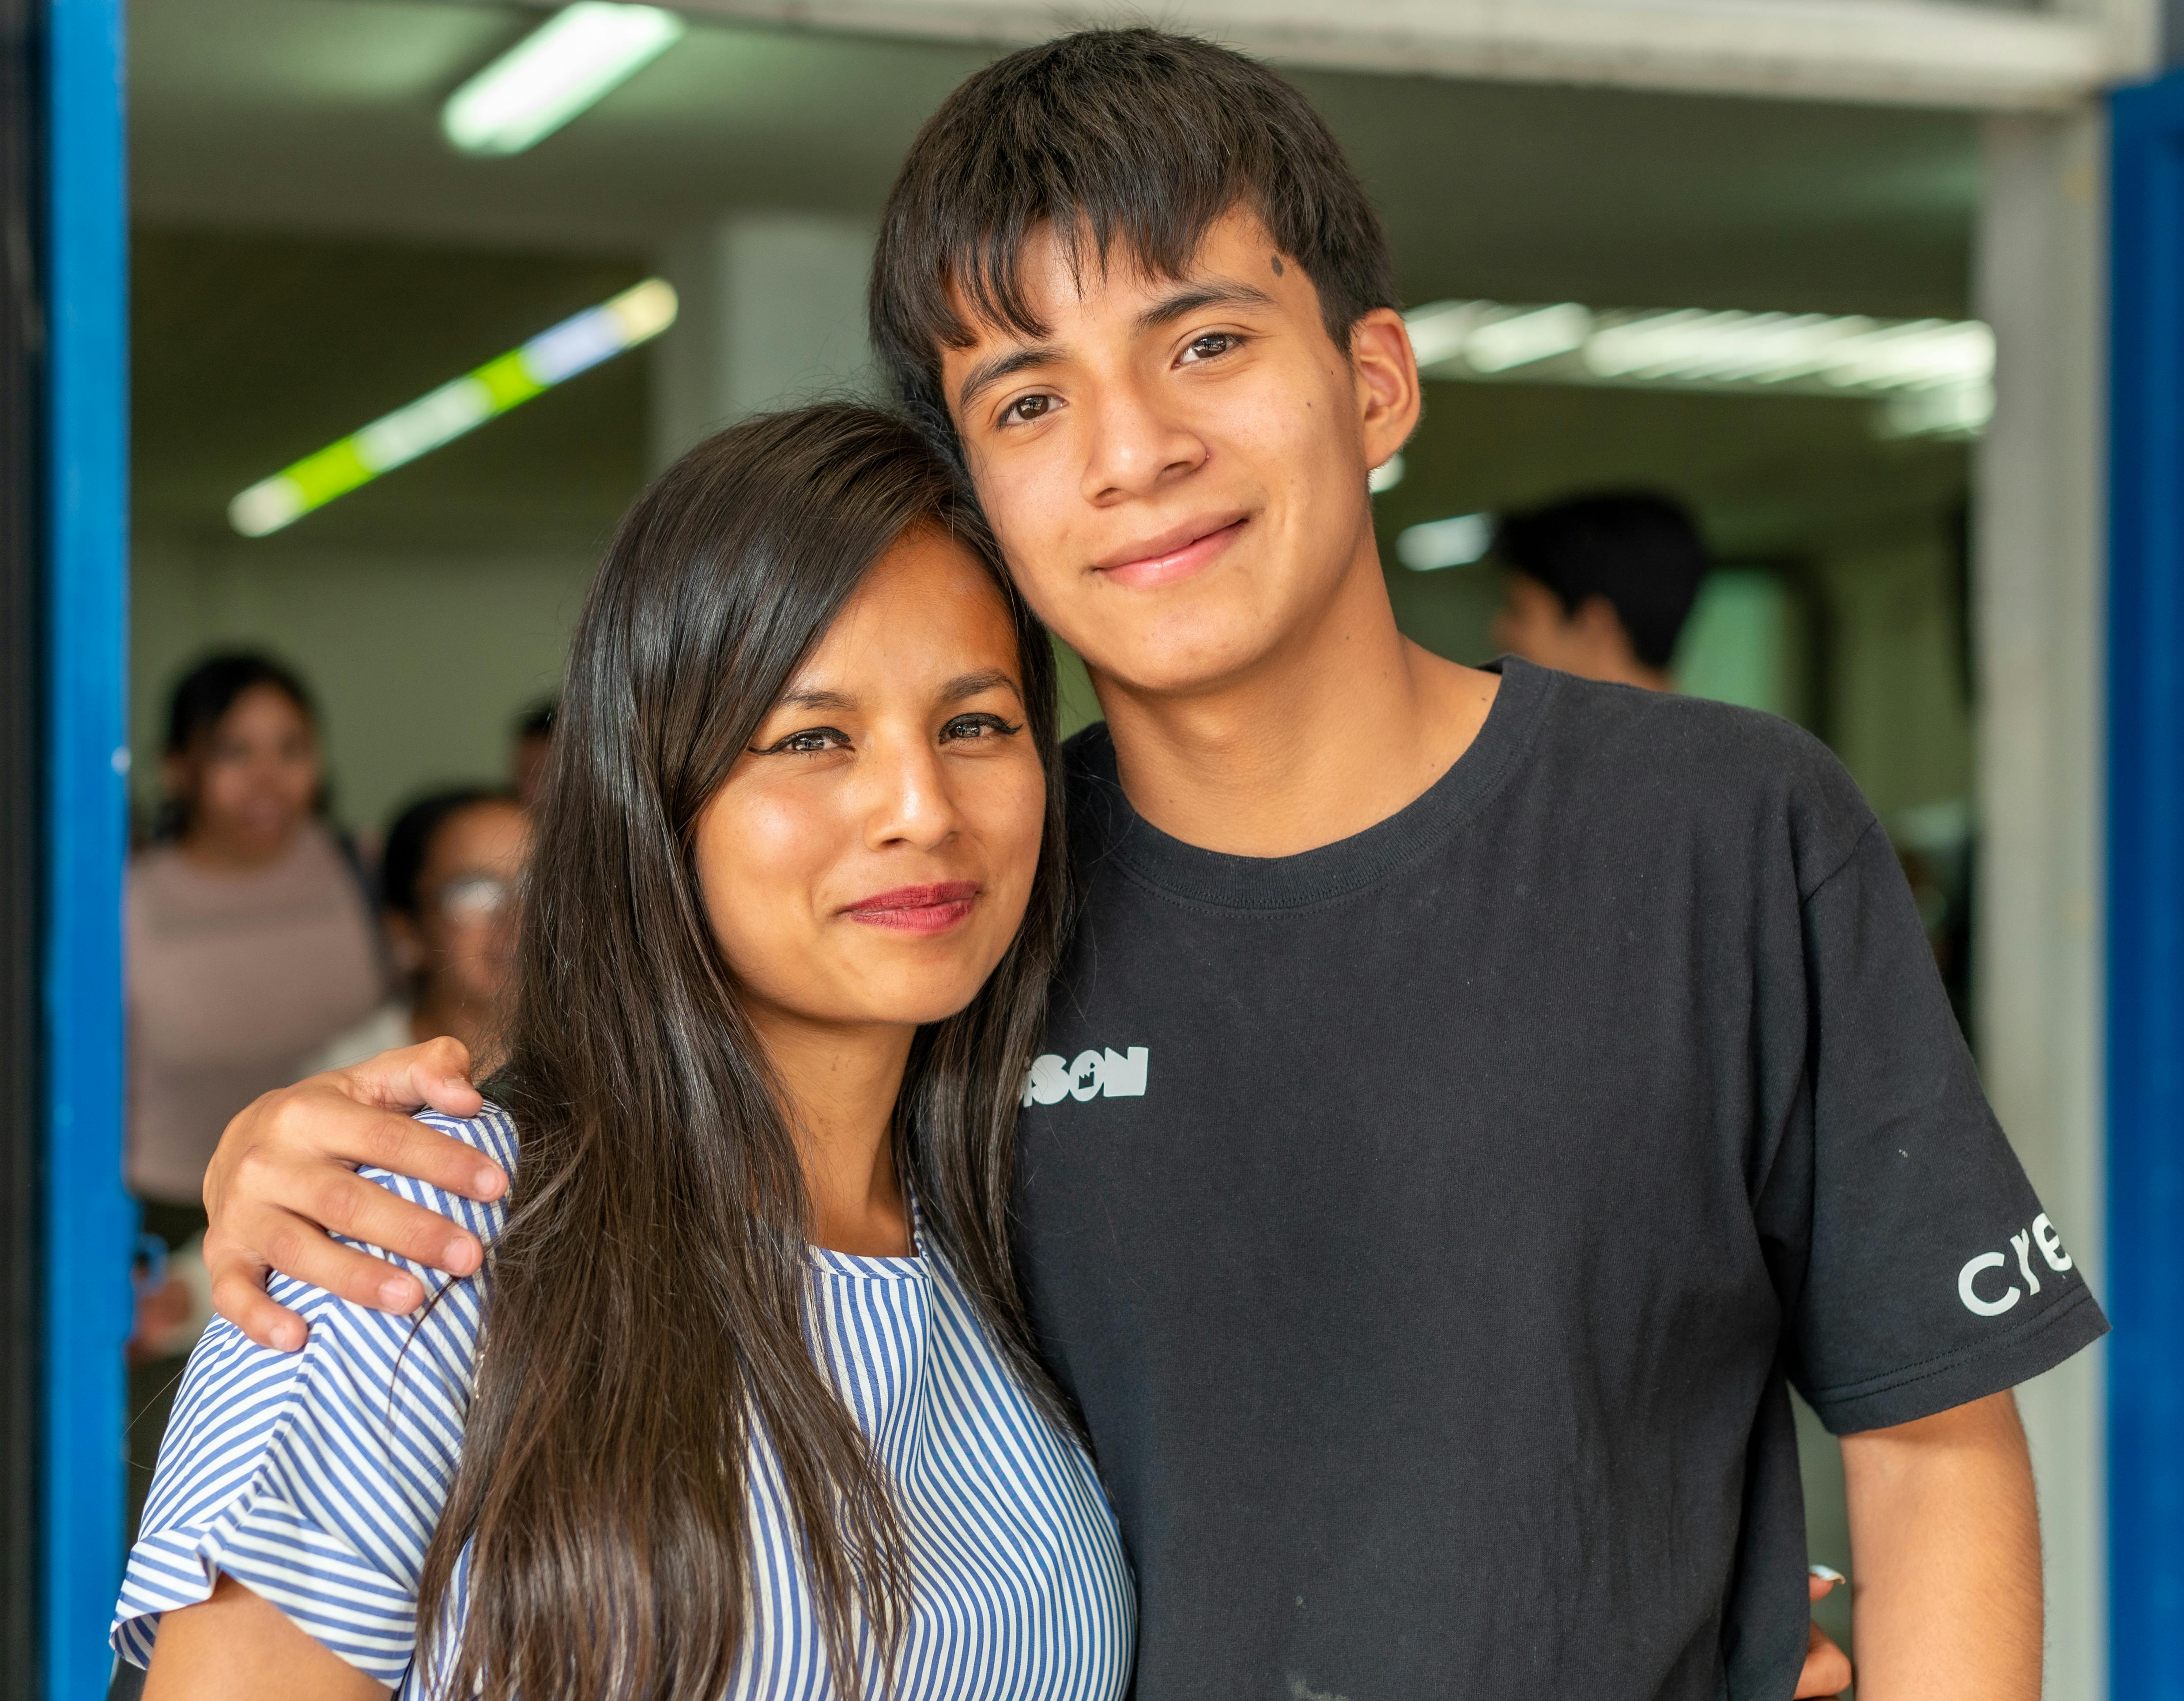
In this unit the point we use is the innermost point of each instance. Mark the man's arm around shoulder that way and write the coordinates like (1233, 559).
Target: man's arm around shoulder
(284, 1177)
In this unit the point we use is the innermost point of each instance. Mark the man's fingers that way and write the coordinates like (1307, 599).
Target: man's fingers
(349, 1205)
(1827, 1669)
(301, 1249)
(239, 1295)
(436, 1073)
(312, 1123)
(406, 1146)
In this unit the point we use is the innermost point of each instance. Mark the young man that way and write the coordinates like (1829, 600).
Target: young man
(1474, 1097)
(1599, 585)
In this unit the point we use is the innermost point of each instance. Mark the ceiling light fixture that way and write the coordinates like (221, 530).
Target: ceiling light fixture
(1935, 376)
(1438, 543)
(577, 57)
(575, 345)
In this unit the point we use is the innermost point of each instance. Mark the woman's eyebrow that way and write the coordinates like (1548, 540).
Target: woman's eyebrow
(965, 684)
(815, 698)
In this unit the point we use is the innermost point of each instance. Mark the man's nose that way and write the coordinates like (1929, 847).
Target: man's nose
(1136, 445)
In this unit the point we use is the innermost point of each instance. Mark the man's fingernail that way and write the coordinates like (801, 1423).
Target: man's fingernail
(398, 1295)
(287, 1336)
(458, 1259)
(488, 1182)
(1827, 1574)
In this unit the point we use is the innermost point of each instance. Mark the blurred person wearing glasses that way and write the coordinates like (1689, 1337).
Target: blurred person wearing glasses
(447, 889)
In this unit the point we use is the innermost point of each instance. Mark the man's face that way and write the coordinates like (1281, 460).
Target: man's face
(1177, 469)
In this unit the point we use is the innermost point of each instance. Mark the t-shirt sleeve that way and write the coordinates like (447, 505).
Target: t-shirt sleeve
(316, 1479)
(1932, 1274)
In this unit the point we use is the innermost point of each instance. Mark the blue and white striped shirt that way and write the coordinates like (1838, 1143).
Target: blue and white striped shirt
(316, 1480)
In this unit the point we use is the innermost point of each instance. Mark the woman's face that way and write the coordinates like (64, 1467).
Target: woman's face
(251, 780)
(463, 937)
(869, 857)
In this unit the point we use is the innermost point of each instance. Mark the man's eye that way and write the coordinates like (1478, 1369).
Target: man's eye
(1212, 345)
(1026, 408)
(809, 743)
(965, 726)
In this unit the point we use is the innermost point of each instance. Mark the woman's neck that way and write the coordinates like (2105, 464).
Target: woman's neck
(841, 1085)
(221, 853)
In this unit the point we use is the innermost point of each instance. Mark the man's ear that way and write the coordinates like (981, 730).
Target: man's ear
(1386, 373)
(1603, 627)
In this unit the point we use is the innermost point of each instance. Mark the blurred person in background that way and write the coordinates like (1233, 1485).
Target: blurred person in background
(447, 886)
(250, 942)
(1599, 585)
(533, 740)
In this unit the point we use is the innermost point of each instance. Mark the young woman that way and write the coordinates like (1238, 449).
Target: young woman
(250, 943)
(744, 1404)
(250, 939)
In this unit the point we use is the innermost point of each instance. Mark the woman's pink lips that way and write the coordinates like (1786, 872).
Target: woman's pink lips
(917, 908)
(1175, 564)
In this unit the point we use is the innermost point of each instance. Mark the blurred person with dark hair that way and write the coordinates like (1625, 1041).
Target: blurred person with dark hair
(1599, 585)
(250, 942)
(447, 886)
(532, 742)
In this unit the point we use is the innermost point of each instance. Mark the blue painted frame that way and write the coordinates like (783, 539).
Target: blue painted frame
(2146, 892)
(90, 1221)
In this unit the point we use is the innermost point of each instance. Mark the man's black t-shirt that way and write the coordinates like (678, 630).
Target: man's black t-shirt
(1427, 1224)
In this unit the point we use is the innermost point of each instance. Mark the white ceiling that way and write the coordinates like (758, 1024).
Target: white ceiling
(320, 116)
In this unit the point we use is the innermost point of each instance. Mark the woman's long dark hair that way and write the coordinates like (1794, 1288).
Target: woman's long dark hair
(649, 1302)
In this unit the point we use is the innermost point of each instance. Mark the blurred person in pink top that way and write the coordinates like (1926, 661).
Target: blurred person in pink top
(251, 942)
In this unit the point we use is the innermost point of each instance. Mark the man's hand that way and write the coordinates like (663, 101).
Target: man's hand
(1944, 1547)
(285, 1176)
(1827, 1667)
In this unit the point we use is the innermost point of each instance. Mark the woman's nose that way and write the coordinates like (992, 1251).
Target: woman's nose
(911, 802)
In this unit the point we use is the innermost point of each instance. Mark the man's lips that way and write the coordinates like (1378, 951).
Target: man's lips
(917, 908)
(1173, 555)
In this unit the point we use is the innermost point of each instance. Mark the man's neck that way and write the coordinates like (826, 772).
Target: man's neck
(1338, 728)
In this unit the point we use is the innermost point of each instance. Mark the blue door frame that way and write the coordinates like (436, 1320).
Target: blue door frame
(2146, 893)
(90, 1223)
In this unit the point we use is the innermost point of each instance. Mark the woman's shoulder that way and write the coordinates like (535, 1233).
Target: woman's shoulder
(316, 1477)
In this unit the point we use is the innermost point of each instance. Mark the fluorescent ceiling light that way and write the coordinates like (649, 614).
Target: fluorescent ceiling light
(578, 56)
(1500, 342)
(1948, 365)
(1439, 543)
(1386, 475)
(573, 346)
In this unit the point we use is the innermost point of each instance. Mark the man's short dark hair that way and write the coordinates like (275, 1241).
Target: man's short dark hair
(1128, 140)
(1643, 552)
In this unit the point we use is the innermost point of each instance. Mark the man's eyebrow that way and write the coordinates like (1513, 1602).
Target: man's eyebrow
(969, 685)
(991, 371)
(1193, 296)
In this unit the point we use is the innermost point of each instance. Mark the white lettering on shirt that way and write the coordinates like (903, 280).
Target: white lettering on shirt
(2042, 1235)
(1107, 1073)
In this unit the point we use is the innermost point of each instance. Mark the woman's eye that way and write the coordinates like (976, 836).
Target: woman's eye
(965, 726)
(810, 742)
(1212, 345)
(1027, 408)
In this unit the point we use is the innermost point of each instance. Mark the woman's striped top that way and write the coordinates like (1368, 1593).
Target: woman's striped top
(316, 1480)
